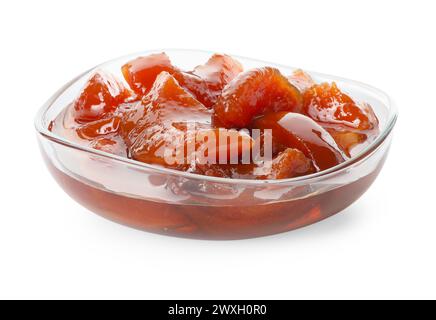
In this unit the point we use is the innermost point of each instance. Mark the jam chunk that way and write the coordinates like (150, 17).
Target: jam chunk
(196, 86)
(289, 164)
(110, 144)
(297, 131)
(92, 130)
(207, 81)
(218, 71)
(253, 93)
(350, 123)
(229, 158)
(223, 146)
(148, 129)
(141, 73)
(100, 96)
(326, 103)
(302, 80)
(347, 139)
(166, 104)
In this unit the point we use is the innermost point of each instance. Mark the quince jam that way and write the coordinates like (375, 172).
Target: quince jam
(219, 119)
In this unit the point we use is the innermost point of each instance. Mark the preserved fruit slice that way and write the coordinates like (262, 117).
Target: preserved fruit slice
(141, 73)
(101, 95)
(148, 129)
(227, 147)
(218, 71)
(302, 80)
(297, 131)
(99, 128)
(327, 104)
(196, 86)
(289, 164)
(113, 145)
(347, 139)
(253, 93)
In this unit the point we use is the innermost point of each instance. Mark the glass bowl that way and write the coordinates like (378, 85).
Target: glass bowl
(187, 205)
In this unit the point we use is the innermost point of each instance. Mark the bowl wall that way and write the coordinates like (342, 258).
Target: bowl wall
(192, 208)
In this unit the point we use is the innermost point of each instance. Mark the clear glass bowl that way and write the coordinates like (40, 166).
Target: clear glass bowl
(188, 205)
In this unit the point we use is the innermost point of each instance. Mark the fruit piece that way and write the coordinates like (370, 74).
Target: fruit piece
(370, 114)
(297, 131)
(347, 139)
(100, 96)
(141, 73)
(148, 129)
(98, 128)
(265, 147)
(196, 86)
(207, 81)
(289, 164)
(210, 148)
(302, 80)
(223, 146)
(113, 145)
(166, 104)
(253, 93)
(327, 104)
(218, 71)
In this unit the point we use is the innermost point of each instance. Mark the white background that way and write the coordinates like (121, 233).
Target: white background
(381, 247)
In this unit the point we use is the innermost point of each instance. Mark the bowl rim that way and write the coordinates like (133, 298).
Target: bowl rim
(363, 155)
